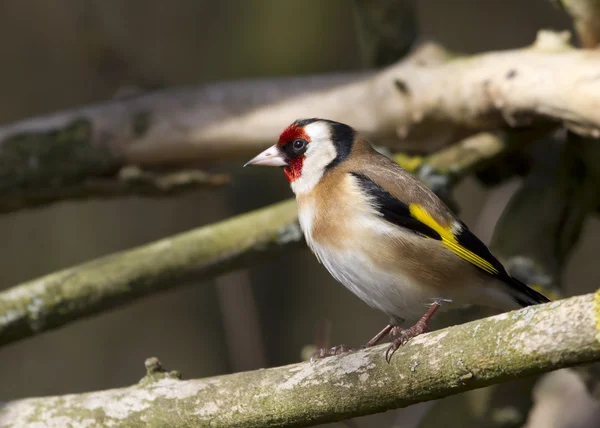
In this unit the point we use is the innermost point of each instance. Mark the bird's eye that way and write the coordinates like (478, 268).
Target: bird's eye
(299, 144)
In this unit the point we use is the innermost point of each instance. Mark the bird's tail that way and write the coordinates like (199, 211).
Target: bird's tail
(523, 294)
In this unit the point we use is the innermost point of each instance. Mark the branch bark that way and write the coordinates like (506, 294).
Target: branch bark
(40, 167)
(424, 102)
(120, 278)
(460, 358)
(428, 89)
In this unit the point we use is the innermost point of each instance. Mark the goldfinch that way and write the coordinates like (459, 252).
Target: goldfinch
(384, 235)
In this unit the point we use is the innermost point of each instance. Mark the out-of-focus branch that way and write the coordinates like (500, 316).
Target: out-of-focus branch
(460, 358)
(442, 170)
(552, 205)
(84, 290)
(561, 400)
(424, 102)
(586, 17)
(40, 167)
(54, 300)
(130, 180)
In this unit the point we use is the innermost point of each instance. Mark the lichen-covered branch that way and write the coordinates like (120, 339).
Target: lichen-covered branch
(84, 290)
(426, 101)
(129, 180)
(508, 346)
(54, 300)
(40, 167)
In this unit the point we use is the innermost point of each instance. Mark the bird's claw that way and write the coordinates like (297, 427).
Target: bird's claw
(399, 341)
(390, 352)
(329, 352)
(403, 336)
(420, 327)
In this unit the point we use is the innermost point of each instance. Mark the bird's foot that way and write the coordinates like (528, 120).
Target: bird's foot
(396, 331)
(342, 349)
(330, 352)
(401, 336)
(404, 335)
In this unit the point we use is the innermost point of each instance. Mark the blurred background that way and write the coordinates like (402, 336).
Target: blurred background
(65, 53)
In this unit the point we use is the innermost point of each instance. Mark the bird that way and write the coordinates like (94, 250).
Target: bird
(384, 235)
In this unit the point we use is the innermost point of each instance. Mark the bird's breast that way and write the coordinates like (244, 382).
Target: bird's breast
(359, 250)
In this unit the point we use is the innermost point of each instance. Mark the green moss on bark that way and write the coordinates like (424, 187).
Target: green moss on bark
(434, 365)
(84, 290)
(38, 168)
(33, 161)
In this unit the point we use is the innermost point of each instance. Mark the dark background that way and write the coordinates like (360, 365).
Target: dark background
(61, 54)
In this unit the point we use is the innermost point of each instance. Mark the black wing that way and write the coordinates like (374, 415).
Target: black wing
(464, 243)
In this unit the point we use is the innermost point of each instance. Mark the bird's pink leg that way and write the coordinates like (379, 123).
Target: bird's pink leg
(386, 330)
(405, 335)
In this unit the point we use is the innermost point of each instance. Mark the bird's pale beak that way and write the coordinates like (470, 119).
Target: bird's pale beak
(270, 157)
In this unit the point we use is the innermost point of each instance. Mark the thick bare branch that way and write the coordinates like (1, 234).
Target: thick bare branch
(424, 102)
(445, 362)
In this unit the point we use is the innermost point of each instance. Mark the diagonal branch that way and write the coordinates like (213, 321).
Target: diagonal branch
(120, 278)
(493, 350)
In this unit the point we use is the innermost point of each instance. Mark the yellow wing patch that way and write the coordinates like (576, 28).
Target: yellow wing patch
(449, 239)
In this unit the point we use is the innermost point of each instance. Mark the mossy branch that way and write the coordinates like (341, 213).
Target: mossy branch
(460, 358)
(84, 290)
(41, 167)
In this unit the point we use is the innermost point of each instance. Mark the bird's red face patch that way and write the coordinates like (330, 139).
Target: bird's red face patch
(292, 133)
(294, 169)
